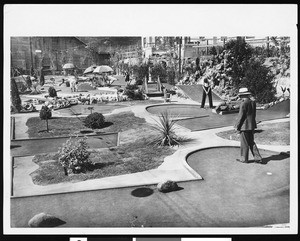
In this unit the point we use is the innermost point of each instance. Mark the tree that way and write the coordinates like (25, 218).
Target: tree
(197, 63)
(239, 57)
(15, 97)
(45, 114)
(213, 50)
(159, 70)
(141, 71)
(259, 81)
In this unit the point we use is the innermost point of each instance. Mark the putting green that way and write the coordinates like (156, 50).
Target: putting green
(178, 110)
(203, 119)
(232, 194)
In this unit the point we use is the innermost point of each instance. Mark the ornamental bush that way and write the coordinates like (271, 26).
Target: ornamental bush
(14, 95)
(165, 131)
(74, 156)
(133, 92)
(45, 114)
(52, 92)
(95, 120)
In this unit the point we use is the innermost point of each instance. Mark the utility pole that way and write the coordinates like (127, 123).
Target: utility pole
(180, 41)
(268, 46)
(31, 57)
(56, 60)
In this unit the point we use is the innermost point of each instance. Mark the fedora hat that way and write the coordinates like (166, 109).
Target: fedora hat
(244, 91)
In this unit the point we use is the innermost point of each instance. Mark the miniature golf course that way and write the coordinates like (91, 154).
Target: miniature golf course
(232, 194)
(205, 119)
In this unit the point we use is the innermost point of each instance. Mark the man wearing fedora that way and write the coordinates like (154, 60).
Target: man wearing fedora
(245, 125)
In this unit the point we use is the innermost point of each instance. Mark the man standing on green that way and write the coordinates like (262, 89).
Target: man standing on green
(245, 125)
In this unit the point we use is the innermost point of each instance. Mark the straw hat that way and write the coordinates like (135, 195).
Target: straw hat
(244, 91)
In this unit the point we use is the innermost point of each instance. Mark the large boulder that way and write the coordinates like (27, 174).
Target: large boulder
(44, 220)
(167, 186)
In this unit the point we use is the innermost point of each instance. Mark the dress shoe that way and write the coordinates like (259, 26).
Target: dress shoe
(259, 161)
(239, 160)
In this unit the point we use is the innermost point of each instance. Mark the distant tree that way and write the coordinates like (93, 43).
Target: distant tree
(159, 70)
(45, 114)
(197, 63)
(213, 50)
(239, 57)
(15, 97)
(259, 80)
(140, 71)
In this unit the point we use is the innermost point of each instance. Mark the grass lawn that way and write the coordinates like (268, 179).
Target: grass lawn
(127, 158)
(63, 126)
(266, 134)
(134, 154)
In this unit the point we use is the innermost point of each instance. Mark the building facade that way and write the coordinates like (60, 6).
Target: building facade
(51, 53)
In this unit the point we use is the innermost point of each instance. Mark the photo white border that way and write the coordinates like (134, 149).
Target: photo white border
(155, 20)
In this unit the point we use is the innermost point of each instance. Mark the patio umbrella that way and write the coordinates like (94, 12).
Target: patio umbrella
(90, 69)
(69, 66)
(103, 69)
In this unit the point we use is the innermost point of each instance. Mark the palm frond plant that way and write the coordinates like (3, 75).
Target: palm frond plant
(165, 128)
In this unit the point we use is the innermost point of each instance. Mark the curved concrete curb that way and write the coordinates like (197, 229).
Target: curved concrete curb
(24, 186)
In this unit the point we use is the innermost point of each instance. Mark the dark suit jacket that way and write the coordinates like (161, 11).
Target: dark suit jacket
(246, 118)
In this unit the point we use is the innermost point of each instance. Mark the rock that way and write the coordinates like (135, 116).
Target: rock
(44, 220)
(167, 186)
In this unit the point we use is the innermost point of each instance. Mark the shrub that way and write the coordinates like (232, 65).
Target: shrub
(45, 114)
(74, 156)
(94, 120)
(14, 95)
(133, 92)
(52, 92)
(259, 81)
(165, 128)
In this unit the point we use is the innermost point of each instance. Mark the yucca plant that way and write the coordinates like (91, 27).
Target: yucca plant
(165, 127)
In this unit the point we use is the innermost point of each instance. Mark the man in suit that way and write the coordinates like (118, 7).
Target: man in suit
(245, 125)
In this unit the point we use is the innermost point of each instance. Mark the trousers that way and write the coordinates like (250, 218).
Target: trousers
(209, 99)
(247, 142)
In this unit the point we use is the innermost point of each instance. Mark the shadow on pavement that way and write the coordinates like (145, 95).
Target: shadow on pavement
(142, 192)
(278, 157)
